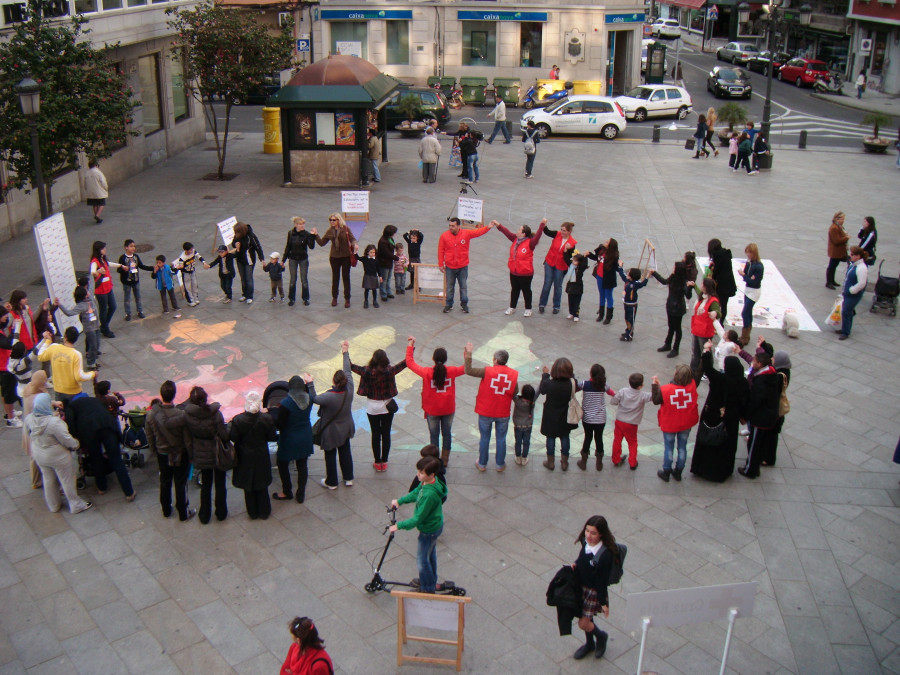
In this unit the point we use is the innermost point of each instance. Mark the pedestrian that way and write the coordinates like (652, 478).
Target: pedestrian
(20, 366)
(414, 239)
(186, 263)
(457, 151)
(558, 385)
(307, 655)
(721, 270)
(760, 147)
(523, 420)
(752, 274)
(428, 518)
(676, 307)
(868, 239)
(733, 143)
(634, 281)
(371, 278)
(781, 362)
(837, 248)
(453, 261)
(593, 419)
(493, 403)
(335, 424)
(378, 384)
(430, 155)
(678, 414)
(207, 430)
(468, 146)
(373, 154)
(596, 554)
(65, 366)
(225, 264)
(554, 72)
(51, 447)
(751, 131)
(401, 264)
(607, 257)
(275, 269)
(247, 251)
(630, 401)
(711, 118)
(165, 284)
(555, 265)
(38, 385)
(169, 439)
(8, 388)
(745, 150)
(499, 115)
(87, 314)
(678, 74)
(700, 136)
(130, 265)
(761, 412)
(251, 432)
(96, 189)
(438, 395)
(861, 82)
(705, 314)
(386, 257)
(296, 254)
(295, 439)
(521, 263)
(343, 246)
(574, 282)
(530, 137)
(103, 287)
(22, 323)
(854, 286)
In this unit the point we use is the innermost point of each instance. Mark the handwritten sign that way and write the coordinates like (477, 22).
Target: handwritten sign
(56, 261)
(429, 277)
(470, 209)
(354, 201)
(226, 228)
(434, 615)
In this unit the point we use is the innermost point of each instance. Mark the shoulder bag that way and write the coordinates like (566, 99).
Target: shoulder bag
(711, 436)
(318, 427)
(784, 405)
(225, 457)
(575, 412)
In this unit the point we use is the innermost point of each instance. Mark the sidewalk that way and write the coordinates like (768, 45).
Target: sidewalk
(871, 101)
(120, 589)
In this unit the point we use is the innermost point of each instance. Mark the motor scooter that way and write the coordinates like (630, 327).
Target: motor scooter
(532, 96)
(820, 86)
(453, 96)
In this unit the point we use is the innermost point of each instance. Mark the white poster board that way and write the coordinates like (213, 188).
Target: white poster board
(470, 209)
(350, 48)
(354, 201)
(689, 605)
(430, 614)
(52, 241)
(226, 229)
(324, 128)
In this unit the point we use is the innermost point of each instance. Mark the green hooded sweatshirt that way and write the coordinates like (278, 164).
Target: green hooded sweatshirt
(429, 515)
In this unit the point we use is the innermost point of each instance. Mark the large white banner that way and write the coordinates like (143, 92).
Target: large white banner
(56, 262)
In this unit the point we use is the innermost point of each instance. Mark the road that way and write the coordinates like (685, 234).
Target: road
(793, 110)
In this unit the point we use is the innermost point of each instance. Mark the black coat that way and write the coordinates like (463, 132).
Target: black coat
(298, 245)
(564, 593)
(556, 406)
(251, 434)
(86, 417)
(679, 294)
(765, 393)
(723, 273)
(204, 425)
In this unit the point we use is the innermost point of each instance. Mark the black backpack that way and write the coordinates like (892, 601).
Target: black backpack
(615, 572)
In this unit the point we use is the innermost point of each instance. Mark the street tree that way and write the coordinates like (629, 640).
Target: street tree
(86, 106)
(226, 55)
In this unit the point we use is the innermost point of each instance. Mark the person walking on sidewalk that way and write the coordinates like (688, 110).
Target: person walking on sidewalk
(597, 553)
(96, 189)
(861, 82)
(499, 115)
(430, 154)
(700, 137)
(530, 137)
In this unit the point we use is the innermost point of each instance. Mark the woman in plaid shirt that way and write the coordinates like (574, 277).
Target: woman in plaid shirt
(377, 384)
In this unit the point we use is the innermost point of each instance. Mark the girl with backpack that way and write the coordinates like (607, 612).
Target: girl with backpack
(593, 566)
(530, 138)
(307, 655)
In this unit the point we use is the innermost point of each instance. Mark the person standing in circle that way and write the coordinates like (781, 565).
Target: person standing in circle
(103, 287)
(343, 247)
(598, 550)
(837, 248)
(752, 274)
(295, 439)
(296, 254)
(854, 287)
(96, 189)
(337, 428)
(722, 272)
(378, 384)
(555, 265)
(521, 263)
(248, 251)
(558, 385)
(453, 260)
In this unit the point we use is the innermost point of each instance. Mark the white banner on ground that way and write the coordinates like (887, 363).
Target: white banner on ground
(470, 209)
(226, 229)
(354, 201)
(56, 262)
(688, 605)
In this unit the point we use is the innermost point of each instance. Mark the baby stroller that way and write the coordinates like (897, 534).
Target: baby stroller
(886, 291)
(134, 438)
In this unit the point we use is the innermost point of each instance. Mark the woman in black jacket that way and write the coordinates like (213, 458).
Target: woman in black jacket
(607, 257)
(558, 385)
(251, 432)
(722, 272)
(385, 255)
(247, 251)
(205, 424)
(593, 566)
(676, 307)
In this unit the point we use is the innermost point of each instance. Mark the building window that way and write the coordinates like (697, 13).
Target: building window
(136, 3)
(479, 43)
(530, 43)
(398, 43)
(85, 6)
(179, 95)
(111, 4)
(349, 37)
(148, 74)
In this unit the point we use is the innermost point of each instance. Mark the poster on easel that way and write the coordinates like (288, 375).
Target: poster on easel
(429, 283)
(52, 241)
(470, 210)
(354, 201)
(647, 261)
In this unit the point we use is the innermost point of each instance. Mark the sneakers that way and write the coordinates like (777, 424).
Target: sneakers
(465, 309)
(87, 506)
(752, 172)
(481, 469)
(524, 461)
(290, 303)
(242, 299)
(518, 460)
(349, 483)
(249, 301)
(570, 316)
(556, 310)
(272, 299)
(190, 514)
(226, 301)
(575, 319)
(128, 317)
(14, 423)
(527, 313)
(447, 309)
(193, 303)
(529, 175)
(326, 485)
(509, 311)
(541, 310)
(140, 315)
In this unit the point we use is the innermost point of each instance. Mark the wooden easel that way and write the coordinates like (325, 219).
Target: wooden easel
(428, 610)
(428, 273)
(650, 251)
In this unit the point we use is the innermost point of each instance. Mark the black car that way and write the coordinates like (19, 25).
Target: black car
(760, 62)
(433, 103)
(729, 82)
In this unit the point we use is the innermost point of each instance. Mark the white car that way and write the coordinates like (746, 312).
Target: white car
(655, 100)
(666, 28)
(581, 114)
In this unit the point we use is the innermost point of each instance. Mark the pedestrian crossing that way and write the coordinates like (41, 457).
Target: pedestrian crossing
(791, 124)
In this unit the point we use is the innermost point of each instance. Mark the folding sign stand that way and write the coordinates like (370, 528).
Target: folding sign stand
(427, 610)
(649, 251)
(429, 283)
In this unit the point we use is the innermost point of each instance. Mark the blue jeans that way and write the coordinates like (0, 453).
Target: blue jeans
(91, 346)
(606, 294)
(246, 273)
(747, 312)
(426, 560)
(529, 163)
(472, 166)
(484, 426)
(127, 292)
(499, 126)
(106, 307)
(462, 276)
(563, 446)
(669, 439)
(303, 266)
(439, 428)
(552, 277)
(373, 163)
(848, 309)
(385, 288)
(523, 440)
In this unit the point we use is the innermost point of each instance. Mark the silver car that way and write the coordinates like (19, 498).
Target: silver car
(737, 53)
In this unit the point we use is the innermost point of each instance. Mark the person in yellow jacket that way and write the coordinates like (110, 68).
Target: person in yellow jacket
(66, 364)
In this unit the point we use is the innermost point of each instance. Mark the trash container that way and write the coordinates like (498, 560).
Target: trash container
(448, 84)
(547, 87)
(433, 81)
(271, 131)
(765, 162)
(592, 87)
(507, 89)
(473, 89)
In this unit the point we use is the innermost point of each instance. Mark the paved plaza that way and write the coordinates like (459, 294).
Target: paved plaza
(120, 589)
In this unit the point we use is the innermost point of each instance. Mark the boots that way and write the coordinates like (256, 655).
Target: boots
(550, 463)
(609, 313)
(602, 637)
(666, 347)
(599, 462)
(587, 647)
(445, 457)
(664, 474)
(600, 314)
(564, 462)
(582, 463)
(745, 336)
(672, 354)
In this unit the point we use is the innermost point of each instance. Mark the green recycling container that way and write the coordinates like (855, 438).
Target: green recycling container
(473, 89)
(433, 81)
(448, 84)
(508, 89)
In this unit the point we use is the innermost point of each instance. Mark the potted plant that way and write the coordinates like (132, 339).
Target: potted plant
(411, 107)
(873, 143)
(730, 114)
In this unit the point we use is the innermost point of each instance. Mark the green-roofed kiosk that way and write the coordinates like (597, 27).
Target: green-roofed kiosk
(325, 111)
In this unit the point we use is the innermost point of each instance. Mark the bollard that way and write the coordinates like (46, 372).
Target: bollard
(802, 143)
(656, 133)
(272, 131)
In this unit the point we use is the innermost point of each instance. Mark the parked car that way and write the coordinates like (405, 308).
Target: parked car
(433, 103)
(582, 114)
(261, 93)
(804, 71)
(666, 28)
(729, 82)
(760, 62)
(644, 45)
(737, 52)
(649, 100)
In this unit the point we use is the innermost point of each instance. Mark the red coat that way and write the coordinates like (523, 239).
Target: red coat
(26, 331)
(102, 282)
(678, 411)
(435, 401)
(453, 249)
(554, 256)
(701, 321)
(307, 662)
(496, 391)
(521, 253)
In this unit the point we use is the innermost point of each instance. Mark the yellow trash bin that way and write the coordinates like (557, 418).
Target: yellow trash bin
(592, 87)
(547, 87)
(272, 131)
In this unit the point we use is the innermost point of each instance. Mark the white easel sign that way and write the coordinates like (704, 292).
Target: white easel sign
(52, 241)
(434, 615)
(354, 201)
(471, 209)
(226, 229)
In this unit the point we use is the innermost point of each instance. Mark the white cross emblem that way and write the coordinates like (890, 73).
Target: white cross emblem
(523, 250)
(462, 241)
(441, 390)
(501, 384)
(681, 399)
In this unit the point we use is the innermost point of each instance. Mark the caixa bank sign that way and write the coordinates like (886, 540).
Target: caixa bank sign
(625, 18)
(365, 14)
(501, 16)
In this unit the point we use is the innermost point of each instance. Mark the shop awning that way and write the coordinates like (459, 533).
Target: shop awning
(690, 4)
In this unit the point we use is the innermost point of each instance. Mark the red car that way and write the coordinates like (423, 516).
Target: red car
(803, 71)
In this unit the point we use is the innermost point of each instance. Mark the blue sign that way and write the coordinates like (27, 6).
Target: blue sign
(365, 14)
(302, 45)
(501, 16)
(637, 17)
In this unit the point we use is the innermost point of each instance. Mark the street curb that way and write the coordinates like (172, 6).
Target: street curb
(841, 101)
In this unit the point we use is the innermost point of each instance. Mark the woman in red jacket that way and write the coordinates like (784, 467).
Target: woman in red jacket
(438, 394)
(307, 655)
(555, 266)
(103, 287)
(521, 263)
(22, 321)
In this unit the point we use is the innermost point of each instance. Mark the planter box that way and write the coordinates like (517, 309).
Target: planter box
(875, 146)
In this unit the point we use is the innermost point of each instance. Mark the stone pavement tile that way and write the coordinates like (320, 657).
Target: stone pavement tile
(893, 632)
(27, 613)
(781, 557)
(152, 547)
(201, 657)
(661, 522)
(692, 658)
(65, 615)
(12, 668)
(259, 665)
(521, 549)
(141, 652)
(17, 539)
(674, 557)
(716, 526)
(89, 581)
(170, 626)
(877, 568)
(740, 566)
(891, 663)
(87, 527)
(35, 645)
(135, 582)
(804, 526)
(858, 496)
(526, 585)
(352, 601)
(810, 644)
(775, 645)
(766, 514)
(241, 594)
(7, 651)
(117, 620)
(652, 662)
(379, 653)
(274, 633)
(316, 572)
(824, 577)
(787, 493)
(710, 575)
(287, 590)
(90, 653)
(855, 659)
(107, 547)
(226, 632)
(876, 592)
(795, 598)
(64, 546)
(58, 666)
(873, 617)
(268, 533)
(843, 625)
(524, 659)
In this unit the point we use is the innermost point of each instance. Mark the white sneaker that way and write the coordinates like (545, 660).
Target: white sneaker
(272, 299)
(326, 485)
(348, 483)
(527, 313)
(17, 413)
(249, 301)
(753, 172)
(575, 319)
(226, 301)
(570, 317)
(242, 299)
(14, 423)
(509, 311)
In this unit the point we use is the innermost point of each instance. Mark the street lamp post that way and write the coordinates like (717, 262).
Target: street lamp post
(29, 93)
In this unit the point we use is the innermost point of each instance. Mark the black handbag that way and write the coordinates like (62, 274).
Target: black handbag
(225, 457)
(712, 436)
(690, 143)
(392, 406)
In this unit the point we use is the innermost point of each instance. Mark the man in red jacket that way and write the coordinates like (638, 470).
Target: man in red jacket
(453, 259)
(678, 414)
(493, 404)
